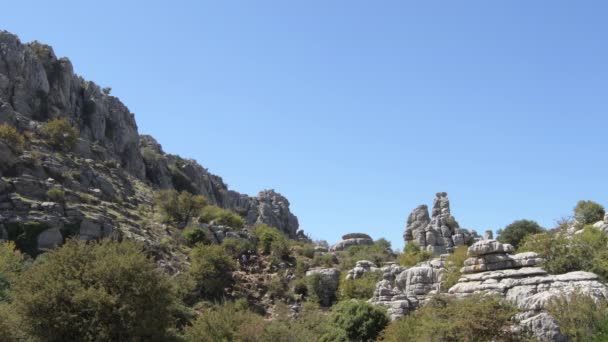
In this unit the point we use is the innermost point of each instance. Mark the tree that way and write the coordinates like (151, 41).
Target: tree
(105, 291)
(60, 133)
(588, 212)
(516, 231)
(210, 272)
(179, 207)
(194, 235)
(360, 320)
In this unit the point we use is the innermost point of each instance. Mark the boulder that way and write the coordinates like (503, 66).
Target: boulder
(49, 239)
(353, 239)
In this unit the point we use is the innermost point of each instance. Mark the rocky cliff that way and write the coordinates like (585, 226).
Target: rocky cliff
(111, 173)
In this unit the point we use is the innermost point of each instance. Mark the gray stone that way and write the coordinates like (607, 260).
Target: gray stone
(90, 230)
(49, 239)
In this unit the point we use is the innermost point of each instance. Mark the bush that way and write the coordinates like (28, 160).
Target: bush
(179, 207)
(210, 271)
(11, 137)
(476, 318)
(11, 265)
(56, 194)
(272, 242)
(579, 317)
(584, 251)
(361, 288)
(453, 264)
(588, 212)
(377, 253)
(361, 321)
(237, 247)
(516, 231)
(194, 235)
(224, 217)
(94, 291)
(412, 255)
(60, 133)
(321, 289)
(225, 323)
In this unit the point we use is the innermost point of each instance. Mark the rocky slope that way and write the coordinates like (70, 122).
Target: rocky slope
(109, 176)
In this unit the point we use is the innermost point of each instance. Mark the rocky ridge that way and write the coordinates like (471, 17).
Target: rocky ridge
(109, 177)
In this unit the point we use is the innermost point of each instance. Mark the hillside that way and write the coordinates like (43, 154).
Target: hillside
(106, 237)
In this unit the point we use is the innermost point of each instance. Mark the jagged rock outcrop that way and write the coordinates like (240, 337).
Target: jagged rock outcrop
(108, 178)
(517, 278)
(169, 171)
(439, 233)
(403, 290)
(352, 239)
(361, 268)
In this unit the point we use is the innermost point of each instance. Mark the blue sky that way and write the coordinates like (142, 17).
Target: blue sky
(358, 111)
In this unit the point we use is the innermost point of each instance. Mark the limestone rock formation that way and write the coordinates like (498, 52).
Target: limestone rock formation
(108, 178)
(439, 233)
(361, 268)
(602, 225)
(353, 239)
(517, 278)
(403, 290)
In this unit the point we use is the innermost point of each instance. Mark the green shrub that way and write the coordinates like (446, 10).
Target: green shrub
(11, 137)
(210, 272)
(321, 289)
(377, 253)
(60, 133)
(194, 235)
(237, 247)
(11, 328)
(516, 231)
(582, 252)
(361, 321)
(94, 291)
(56, 194)
(11, 265)
(579, 317)
(272, 242)
(212, 213)
(179, 207)
(588, 212)
(476, 318)
(361, 288)
(412, 255)
(453, 264)
(225, 323)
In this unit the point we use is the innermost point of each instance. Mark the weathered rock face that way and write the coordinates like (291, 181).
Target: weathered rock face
(492, 270)
(111, 173)
(39, 86)
(403, 290)
(168, 171)
(440, 233)
(352, 239)
(361, 268)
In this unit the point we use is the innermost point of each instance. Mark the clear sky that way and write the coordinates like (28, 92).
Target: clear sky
(358, 111)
